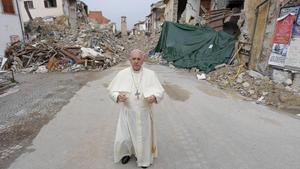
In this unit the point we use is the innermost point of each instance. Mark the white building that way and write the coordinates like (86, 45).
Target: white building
(10, 25)
(157, 13)
(44, 8)
(13, 14)
(142, 27)
(41, 8)
(139, 27)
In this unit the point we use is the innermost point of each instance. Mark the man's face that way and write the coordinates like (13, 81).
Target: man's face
(136, 61)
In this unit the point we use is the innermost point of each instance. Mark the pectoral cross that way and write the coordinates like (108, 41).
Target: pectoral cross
(137, 94)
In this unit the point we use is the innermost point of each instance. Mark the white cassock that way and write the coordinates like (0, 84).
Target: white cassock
(135, 131)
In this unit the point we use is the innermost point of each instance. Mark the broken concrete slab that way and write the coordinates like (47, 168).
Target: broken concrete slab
(296, 82)
(201, 77)
(240, 78)
(288, 82)
(260, 100)
(254, 74)
(42, 69)
(280, 76)
(89, 53)
(220, 66)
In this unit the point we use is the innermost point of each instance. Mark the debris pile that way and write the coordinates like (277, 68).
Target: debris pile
(53, 46)
(144, 42)
(256, 86)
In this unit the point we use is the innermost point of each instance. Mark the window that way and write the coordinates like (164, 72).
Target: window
(28, 4)
(50, 3)
(8, 6)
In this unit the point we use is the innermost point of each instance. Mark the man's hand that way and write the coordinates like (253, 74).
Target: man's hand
(122, 98)
(151, 99)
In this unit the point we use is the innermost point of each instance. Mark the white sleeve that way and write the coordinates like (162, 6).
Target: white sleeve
(114, 96)
(159, 96)
(160, 90)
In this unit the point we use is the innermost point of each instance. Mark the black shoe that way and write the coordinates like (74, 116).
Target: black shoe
(125, 159)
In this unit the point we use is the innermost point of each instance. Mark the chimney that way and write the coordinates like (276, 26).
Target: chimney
(123, 26)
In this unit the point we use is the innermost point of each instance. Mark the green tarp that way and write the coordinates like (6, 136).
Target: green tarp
(190, 46)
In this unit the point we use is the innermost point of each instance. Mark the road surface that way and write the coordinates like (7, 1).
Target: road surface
(198, 127)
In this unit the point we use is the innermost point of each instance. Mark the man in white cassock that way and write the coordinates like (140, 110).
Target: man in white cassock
(136, 88)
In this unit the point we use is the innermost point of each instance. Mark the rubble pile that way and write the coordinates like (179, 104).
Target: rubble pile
(53, 46)
(41, 28)
(144, 42)
(255, 86)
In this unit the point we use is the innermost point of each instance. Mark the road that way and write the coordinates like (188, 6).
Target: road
(198, 127)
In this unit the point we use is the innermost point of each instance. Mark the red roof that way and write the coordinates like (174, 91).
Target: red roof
(97, 16)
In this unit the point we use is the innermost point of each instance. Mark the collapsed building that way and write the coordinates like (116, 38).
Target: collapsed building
(153, 22)
(17, 15)
(253, 24)
(70, 42)
(260, 59)
(56, 47)
(157, 16)
(139, 27)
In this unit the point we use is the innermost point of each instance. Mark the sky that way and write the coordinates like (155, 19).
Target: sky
(135, 10)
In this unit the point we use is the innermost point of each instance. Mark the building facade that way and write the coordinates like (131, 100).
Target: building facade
(98, 17)
(39, 8)
(11, 27)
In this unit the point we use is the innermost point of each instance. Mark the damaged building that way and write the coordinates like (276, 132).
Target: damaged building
(36, 8)
(210, 12)
(157, 15)
(98, 17)
(261, 58)
(139, 28)
(46, 37)
(253, 23)
(259, 26)
(11, 27)
(50, 8)
(184, 11)
(15, 14)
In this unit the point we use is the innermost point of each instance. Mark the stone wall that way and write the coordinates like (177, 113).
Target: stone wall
(171, 10)
(191, 12)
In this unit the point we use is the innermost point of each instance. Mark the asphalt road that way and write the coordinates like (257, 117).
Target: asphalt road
(198, 127)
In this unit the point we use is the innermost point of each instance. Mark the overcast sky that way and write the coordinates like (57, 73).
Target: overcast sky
(135, 10)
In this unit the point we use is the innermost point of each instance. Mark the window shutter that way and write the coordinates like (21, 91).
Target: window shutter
(8, 6)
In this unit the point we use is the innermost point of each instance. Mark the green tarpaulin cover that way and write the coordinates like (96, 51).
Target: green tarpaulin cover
(190, 46)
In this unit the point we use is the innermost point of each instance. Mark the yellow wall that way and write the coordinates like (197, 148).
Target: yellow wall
(250, 6)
